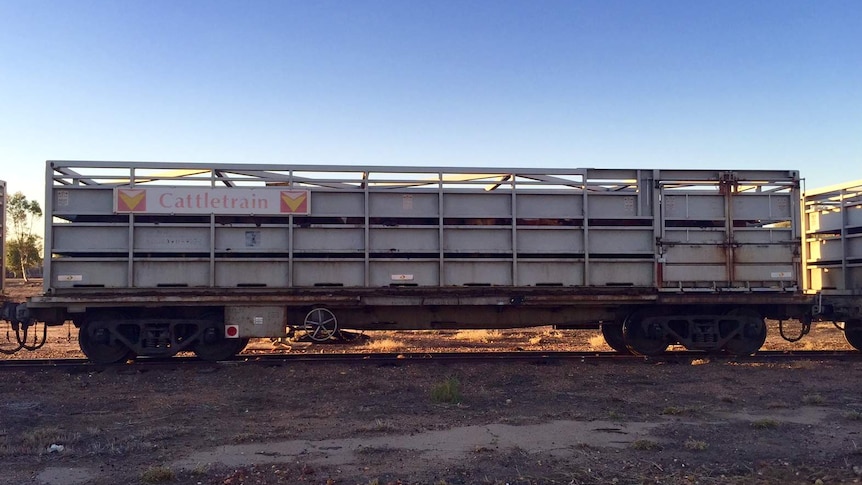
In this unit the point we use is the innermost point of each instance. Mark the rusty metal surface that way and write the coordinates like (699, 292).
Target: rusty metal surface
(516, 296)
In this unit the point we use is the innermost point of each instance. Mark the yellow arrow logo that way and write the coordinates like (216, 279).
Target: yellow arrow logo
(129, 200)
(293, 201)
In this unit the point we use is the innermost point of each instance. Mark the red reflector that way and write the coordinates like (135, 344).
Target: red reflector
(231, 331)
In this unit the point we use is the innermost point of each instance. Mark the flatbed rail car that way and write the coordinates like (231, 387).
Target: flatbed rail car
(156, 258)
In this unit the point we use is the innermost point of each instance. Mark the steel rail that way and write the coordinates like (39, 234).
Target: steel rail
(395, 358)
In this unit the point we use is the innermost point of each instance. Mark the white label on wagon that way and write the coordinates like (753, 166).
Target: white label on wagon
(258, 320)
(70, 277)
(402, 277)
(781, 274)
(211, 200)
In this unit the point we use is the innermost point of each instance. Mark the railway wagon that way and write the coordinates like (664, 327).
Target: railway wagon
(832, 252)
(151, 258)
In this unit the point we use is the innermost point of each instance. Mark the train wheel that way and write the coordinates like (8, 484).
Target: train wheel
(97, 342)
(853, 333)
(212, 344)
(751, 334)
(222, 349)
(643, 338)
(320, 324)
(613, 334)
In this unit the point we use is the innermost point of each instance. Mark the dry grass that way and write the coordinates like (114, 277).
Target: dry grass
(813, 399)
(674, 410)
(378, 426)
(764, 424)
(597, 342)
(695, 445)
(477, 336)
(157, 474)
(645, 445)
(384, 345)
(853, 416)
(36, 441)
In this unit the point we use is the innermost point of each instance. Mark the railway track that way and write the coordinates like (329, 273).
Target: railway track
(396, 358)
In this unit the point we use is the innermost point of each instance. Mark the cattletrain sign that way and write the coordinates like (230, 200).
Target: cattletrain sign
(206, 200)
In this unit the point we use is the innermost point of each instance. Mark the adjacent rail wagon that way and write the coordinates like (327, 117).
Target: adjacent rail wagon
(832, 249)
(150, 259)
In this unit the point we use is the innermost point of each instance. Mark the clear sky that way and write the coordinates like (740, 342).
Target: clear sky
(718, 84)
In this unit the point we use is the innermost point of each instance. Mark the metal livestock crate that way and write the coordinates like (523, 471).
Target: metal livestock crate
(833, 239)
(180, 225)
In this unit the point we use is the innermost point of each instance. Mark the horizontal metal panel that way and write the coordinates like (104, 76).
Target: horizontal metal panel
(612, 206)
(338, 239)
(76, 200)
(403, 205)
(477, 273)
(833, 249)
(549, 206)
(404, 240)
(763, 274)
(155, 238)
(834, 277)
(622, 272)
(833, 220)
(762, 206)
(689, 273)
(477, 240)
(695, 236)
(419, 273)
(88, 272)
(314, 273)
(765, 235)
(251, 239)
(482, 204)
(550, 273)
(694, 206)
(551, 240)
(68, 237)
(251, 273)
(178, 272)
(763, 253)
(338, 204)
(685, 253)
(621, 241)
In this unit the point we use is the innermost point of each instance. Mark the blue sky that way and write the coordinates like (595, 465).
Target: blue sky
(609, 83)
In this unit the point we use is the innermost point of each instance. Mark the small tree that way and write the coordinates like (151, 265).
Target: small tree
(23, 248)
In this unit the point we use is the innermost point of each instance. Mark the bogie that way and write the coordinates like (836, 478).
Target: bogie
(109, 335)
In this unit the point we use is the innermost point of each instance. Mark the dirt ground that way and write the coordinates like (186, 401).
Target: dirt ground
(708, 420)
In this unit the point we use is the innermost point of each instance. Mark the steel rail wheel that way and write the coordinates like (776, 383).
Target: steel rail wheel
(751, 332)
(853, 333)
(99, 343)
(643, 337)
(212, 345)
(613, 334)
